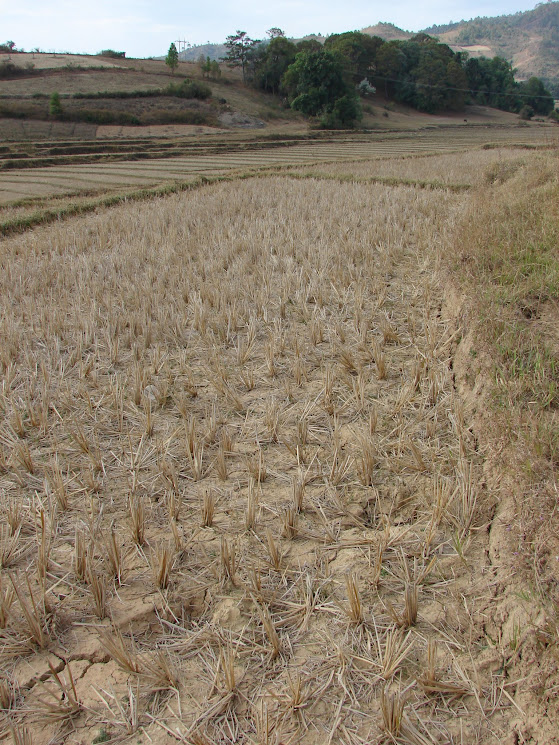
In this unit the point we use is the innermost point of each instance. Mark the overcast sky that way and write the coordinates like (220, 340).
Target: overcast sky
(143, 28)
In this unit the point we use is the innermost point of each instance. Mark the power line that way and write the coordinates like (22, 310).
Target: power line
(460, 90)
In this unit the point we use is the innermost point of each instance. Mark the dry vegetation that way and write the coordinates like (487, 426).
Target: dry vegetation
(31, 196)
(247, 494)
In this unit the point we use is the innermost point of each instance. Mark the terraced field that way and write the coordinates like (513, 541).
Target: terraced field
(71, 179)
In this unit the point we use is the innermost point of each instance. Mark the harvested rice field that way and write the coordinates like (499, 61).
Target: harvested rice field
(68, 179)
(243, 498)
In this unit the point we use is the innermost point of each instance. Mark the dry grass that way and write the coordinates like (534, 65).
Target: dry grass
(446, 169)
(304, 448)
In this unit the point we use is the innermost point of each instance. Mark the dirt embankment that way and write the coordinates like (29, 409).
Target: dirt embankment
(521, 621)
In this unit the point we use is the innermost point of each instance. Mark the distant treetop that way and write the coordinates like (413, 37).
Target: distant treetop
(111, 53)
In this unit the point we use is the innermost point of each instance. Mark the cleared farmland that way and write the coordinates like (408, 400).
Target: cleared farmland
(242, 497)
(33, 182)
(285, 419)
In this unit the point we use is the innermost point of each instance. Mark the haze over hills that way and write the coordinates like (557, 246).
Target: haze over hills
(530, 40)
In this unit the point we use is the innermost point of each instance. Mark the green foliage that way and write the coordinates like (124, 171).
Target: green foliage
(358, 50)
(111, 53)
(309, 45)
(317, 85)
(526, 113)
(172, 58)
(208, 67)
(422, 73)
(55, 107)
(492, 83)
(536, 96)
(345, 113)
(272, 64)
(188, 89)
(8, 70)
(215, 70)
(239, 48)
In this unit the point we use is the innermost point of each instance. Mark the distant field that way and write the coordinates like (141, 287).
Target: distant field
(51, 60)
(38, 182)
(84, 81)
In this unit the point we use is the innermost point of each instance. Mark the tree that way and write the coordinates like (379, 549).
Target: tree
(536, 96)
(309, 45)
(7, 47)
(215, 70)
(458, 84)
(55, 107)
(172, 58)
(205, 65)
(391, 64)
(239, 47)
(316, 82)
(359, 50)
(276, 57)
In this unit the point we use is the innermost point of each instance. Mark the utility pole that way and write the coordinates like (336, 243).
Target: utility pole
(182, 45)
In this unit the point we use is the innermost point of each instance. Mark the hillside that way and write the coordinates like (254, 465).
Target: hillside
(213, 51)
(529, 40)
(387, 31)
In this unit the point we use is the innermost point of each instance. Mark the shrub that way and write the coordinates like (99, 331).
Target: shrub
(100, 116)
(111, 53)
(55, 107)
(188, 89)
(149, 93)
(526, 113)
(9, 70)
(346, 111)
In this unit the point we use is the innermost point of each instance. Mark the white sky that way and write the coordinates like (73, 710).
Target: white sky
(143, 28)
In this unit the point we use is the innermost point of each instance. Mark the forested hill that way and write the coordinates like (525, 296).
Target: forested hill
(530, 40)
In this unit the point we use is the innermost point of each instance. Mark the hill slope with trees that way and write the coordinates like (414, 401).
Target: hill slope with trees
(529, 40)
(328, 81)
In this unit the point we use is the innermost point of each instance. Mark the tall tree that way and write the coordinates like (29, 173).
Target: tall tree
(359, 50)
(172, 58)
(276, 57)
(239, 47)
(535, 94)
(318, 84)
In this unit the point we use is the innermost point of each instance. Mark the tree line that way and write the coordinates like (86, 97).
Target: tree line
(329, 80)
